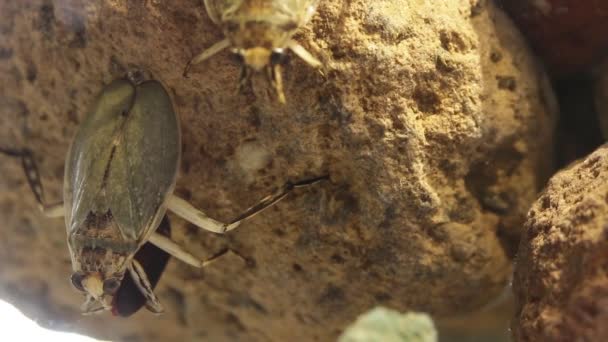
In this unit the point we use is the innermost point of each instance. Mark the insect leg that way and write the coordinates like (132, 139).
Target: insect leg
(33, 179)
(188, 212)
(272, 199)
(215, 48)
(301, 52)
(141, 280)
(212, 12)
(174, 249)
(177, 251)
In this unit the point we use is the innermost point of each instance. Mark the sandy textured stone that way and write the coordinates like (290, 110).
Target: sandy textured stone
(434, 123)
(561, 282)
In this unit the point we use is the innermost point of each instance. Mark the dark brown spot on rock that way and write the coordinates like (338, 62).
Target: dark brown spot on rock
(506, 83)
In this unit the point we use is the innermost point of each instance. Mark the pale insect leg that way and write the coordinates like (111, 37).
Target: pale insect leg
(301, 52)
(141, 280)
(33, 179)
(215, 48)
(177, 251)
(188, 212)
(174, 249)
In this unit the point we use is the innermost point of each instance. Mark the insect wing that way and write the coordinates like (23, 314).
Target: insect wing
(91, 150)
(129, 299)
(145, 163)
(124, 159)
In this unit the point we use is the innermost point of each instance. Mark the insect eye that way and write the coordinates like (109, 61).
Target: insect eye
(278, 57)
(76, 280)
(111, 285)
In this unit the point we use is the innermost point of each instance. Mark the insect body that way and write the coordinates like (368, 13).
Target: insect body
(120, 170)
(259, 32)
(119, 179)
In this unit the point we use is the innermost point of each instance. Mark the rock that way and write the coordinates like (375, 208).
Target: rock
(434, 123)
(560, 285)
(565, 33)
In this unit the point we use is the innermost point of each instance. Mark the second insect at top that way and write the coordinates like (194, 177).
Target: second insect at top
(259, 32)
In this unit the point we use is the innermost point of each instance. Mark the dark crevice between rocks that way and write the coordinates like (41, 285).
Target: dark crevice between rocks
(578, 134)
(579, 130)
(482, 182)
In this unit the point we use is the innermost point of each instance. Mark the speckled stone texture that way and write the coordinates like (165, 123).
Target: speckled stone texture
(561, 277)
(433, 121)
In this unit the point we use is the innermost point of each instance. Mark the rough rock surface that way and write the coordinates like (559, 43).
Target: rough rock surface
(434, 123)
(561, 282)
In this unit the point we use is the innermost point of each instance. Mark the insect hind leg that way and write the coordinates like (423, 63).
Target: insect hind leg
(188, 212)
(272, 199)
(306, 56)
(30, 169)
(178, 252)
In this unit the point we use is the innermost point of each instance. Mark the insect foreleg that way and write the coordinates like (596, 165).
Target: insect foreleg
(33, 179)
(141, 280)
(215, 48)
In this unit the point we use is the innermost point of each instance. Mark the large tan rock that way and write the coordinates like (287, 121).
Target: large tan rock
(433, 121)
(560, 283)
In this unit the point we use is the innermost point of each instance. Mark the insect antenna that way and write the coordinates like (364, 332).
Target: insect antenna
(214, 49)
